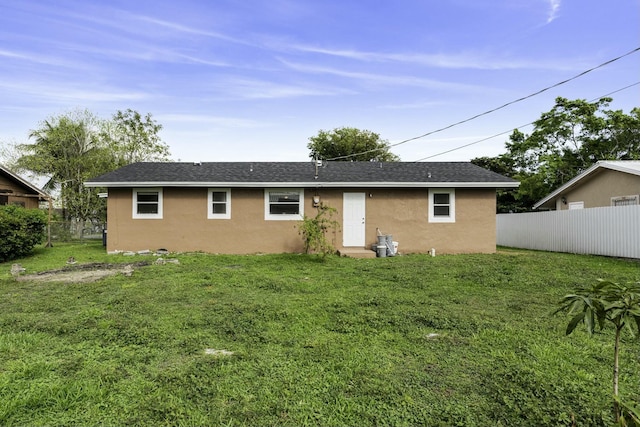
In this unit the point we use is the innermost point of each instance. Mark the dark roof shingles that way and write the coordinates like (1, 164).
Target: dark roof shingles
(302, 172)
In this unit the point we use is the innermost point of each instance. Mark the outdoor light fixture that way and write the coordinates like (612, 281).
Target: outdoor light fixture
(563, 200)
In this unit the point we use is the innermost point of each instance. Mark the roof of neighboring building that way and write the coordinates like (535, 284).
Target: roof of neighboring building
(626, 166)
(24, 183)
(307, 174)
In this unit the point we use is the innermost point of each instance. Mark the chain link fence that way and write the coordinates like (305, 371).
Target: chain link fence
(73, 231)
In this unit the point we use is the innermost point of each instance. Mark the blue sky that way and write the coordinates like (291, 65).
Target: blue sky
(251, 80)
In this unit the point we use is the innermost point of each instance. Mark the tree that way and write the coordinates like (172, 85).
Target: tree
(76, 146)
(564, 142)
(134, 138)
(67, 149)
(606, 301)
(350, 144)
(506, 200)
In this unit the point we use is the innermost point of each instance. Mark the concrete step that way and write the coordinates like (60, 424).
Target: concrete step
(357, 253)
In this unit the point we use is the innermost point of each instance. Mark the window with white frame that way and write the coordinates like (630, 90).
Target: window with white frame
(283, 204)
(442, 205)
(219, 203)
(624, 200)
(147, 203)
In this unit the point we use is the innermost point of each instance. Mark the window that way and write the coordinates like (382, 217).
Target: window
(219, 206)
(283, 204)
(4, 200)
(576, 205)
(624, 201)
(147, 203)
(442, 205)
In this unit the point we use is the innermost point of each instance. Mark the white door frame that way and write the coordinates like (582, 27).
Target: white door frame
(353, 219)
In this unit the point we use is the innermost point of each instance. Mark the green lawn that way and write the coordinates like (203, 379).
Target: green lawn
(452, 340)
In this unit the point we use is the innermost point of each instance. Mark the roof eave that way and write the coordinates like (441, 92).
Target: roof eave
(25, 183)
(421, 184)
(571, 183)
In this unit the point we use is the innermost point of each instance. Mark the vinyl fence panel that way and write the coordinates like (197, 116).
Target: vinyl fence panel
(609, 231)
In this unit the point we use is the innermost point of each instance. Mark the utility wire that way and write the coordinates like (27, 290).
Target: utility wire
(495, 109)
(519, 127)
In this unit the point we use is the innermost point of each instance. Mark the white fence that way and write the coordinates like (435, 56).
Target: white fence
(610, 231)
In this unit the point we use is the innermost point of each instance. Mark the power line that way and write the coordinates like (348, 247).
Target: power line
(495, 109)
(519, 127)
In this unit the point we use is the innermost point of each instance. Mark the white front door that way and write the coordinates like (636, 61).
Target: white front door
(353, 219)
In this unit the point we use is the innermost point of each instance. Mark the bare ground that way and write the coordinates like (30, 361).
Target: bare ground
(83, 273)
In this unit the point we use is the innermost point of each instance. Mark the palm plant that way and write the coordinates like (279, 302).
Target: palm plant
(594, 306)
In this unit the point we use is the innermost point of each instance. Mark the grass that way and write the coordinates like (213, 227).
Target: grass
(452, 340)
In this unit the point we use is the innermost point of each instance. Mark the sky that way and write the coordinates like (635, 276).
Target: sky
(249, 80)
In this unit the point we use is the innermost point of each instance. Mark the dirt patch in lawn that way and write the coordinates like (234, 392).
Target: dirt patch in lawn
(83, 273)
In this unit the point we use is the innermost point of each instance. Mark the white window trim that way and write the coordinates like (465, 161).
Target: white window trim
(134, 198)
(452, 205)
(210, 214)
(285, 217)
(575, 205)
(634, 197)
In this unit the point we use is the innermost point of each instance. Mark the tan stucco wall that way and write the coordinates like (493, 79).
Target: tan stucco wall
(400, 212)
(598, 190)
(18, 190)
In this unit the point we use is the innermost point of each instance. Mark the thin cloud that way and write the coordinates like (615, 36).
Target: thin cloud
(554, 8)
(380, 79)
(260, 89)
(450, 61)
(55, 93)
(39, 59)
(231, 122)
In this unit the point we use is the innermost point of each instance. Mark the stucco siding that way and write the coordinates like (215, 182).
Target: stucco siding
(400, 212)
(598, 190)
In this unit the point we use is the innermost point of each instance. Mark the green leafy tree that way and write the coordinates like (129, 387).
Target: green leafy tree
(604, 302)
(73, 147)
(564, 142)
(68, 150)
(314, 230)
(134, 138)
(350, 144)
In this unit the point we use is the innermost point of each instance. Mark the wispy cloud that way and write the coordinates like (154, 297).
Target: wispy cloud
(245, 88)
(66, 93)
(413, 105)
(231, 122)
(39, 58)
(554, 8)
(186, 29)
(381, 79)
(448, 61)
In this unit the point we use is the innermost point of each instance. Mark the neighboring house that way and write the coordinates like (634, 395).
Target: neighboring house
(606, 183)
(16, 191)
(243, 207)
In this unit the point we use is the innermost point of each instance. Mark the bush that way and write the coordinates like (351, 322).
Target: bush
(20, 230)
(314, 230)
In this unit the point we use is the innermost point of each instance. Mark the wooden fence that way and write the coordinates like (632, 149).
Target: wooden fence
(609, 231)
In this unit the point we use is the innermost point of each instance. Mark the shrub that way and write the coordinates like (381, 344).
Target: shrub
(20, 230)
(313, 230)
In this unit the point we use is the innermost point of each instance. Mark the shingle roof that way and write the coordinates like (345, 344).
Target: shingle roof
(330, 174)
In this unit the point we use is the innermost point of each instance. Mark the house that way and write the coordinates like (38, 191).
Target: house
(16, 191)
(606, 183)
(244, 207)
